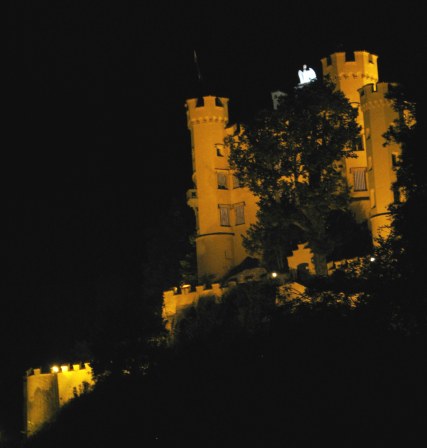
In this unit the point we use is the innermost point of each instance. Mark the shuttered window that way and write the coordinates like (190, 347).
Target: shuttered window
(222, 181)
(224, 215)
(359, 179)
(240, 213)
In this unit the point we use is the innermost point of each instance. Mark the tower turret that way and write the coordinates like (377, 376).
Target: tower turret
(207, 119)
(223, 209)
(378, 115)
(350, 71)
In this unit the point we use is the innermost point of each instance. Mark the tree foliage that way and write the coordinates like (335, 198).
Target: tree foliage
(290, 158)
(394, 283)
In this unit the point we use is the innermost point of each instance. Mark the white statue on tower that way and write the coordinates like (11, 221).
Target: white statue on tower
(306, 75)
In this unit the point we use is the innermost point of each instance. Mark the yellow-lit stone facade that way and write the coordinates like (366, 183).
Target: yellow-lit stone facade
(46, 393)
(224, 210)
(349, 72)
(381, 167)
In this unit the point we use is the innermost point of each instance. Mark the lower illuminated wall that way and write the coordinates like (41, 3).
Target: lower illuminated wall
(45, 393)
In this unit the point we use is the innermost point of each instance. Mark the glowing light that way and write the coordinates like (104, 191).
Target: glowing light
(372, 259)
(274, 274)
(54, 369)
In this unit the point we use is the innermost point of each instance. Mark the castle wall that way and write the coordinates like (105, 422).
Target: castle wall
(175, 304)
(42, 403)
(46, 393)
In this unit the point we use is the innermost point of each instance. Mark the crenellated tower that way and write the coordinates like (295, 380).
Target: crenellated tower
(350, 71)
(223, 209)
(378, 115)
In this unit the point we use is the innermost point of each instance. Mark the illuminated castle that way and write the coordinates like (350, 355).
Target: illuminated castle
(224, 210)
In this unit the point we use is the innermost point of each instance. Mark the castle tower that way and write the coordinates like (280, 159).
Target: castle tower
(351, 71)
(46, 393)
(223, 209)
(378, 116)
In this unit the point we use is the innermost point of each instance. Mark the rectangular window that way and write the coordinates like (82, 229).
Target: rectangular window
(224, 215)
(359, 179)
(236, 183)
(222, 181)
(240, 213)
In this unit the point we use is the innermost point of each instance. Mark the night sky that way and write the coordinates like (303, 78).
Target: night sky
(96, 154)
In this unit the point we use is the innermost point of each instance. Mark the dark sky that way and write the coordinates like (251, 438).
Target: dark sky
(96, 151)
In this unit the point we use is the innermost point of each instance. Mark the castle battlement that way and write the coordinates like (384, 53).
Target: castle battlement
(350, 71)
(354, 62)
(63, 368)
(174, 303)
(374, 95)
(46, 392)
(209, 109)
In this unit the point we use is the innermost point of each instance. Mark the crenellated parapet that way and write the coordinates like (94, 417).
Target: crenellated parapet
(351, 70)
(374, 96)
(47, 391)
(209, 109)
(176, 301)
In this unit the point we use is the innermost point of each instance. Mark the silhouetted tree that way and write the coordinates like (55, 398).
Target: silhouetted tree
(290, 159)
